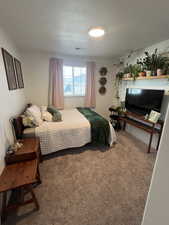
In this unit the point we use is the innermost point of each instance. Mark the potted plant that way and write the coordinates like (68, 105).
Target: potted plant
(127, 71)
(147, 61)
(136, 69)
(166, 69)
(162, 64)
(154, 63)
(142, 72)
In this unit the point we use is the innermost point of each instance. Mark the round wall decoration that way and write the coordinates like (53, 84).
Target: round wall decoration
(102, 90)
(103, 71)
(103, 81)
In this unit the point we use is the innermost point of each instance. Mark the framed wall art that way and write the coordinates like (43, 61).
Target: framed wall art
(10, 70)
(18, 70)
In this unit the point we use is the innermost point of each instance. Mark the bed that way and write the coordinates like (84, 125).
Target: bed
(76, 129)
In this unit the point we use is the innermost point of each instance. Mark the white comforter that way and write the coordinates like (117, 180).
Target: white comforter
(72, 131)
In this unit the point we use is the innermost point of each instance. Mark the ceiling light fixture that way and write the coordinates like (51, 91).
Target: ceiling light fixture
(96, 32)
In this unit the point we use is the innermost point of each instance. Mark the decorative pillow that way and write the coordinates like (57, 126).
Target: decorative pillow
(57, 117)
(47, 116)
(43, 108)
(28, 121)
(35, 112)
(52, 109)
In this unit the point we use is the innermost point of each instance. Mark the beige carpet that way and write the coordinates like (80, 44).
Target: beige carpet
(93, 186)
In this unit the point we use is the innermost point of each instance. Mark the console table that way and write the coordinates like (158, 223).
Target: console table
(144, 124)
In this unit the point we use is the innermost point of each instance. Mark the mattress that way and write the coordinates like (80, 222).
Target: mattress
(73, 131)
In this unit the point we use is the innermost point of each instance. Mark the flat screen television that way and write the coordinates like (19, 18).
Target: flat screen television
(142, 101)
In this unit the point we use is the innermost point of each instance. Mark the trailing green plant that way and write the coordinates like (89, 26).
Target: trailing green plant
(120, 75)
(130, 67)
(135, 70)
(126, 69)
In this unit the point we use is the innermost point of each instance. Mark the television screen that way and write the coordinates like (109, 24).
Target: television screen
(142, 101)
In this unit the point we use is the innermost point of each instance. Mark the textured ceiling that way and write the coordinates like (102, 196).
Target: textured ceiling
(61, 26)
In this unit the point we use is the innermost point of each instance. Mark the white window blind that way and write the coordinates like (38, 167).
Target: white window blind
(74, 79)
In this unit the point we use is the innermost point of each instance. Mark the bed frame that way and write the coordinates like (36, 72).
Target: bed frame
(16, 123)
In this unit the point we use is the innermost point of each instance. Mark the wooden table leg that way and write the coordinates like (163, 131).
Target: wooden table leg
(124, 125)
(40, 155)
(158, 142)
(151, 137)
(159, 138)
(38, 176)
(4, 206)
(29, 187)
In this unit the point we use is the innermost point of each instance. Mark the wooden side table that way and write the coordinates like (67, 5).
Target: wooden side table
(18, 175)
(29, 150)
(21, 172)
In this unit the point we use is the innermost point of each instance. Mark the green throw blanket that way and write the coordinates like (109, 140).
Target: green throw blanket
(100, 129)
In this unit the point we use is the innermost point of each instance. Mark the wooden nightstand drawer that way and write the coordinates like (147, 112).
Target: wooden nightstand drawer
(29, 151)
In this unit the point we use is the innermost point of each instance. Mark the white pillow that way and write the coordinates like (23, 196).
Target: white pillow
(47, 116)
(43, 108)
(34, 111)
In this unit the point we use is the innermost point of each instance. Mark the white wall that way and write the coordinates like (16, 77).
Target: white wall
(163, 47)
(36, 68)
(157, 206)
(147, 84)
(12, 102)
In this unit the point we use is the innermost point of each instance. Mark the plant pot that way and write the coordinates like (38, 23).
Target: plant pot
(148, 73)
(142, 74)
(159, 72)
(128, 75)
(154, 73)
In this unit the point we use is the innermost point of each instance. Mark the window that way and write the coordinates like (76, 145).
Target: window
(74, 79)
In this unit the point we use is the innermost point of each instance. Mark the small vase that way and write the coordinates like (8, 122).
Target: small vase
(148, 73)
(159, 72)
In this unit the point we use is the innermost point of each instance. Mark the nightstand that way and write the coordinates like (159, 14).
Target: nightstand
(29, 150)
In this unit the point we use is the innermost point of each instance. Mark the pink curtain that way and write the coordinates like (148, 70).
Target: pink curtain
(56, 96)
(90, 97)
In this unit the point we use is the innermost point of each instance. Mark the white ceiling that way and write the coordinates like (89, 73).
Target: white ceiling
(62, 25)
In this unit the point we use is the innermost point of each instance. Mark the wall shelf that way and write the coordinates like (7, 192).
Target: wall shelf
(148, 78)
